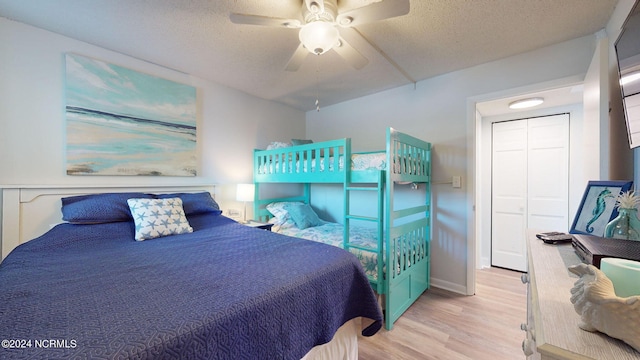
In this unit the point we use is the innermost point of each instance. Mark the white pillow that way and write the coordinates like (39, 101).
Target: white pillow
(158, 217)
(279, 210)
(278, 225)
(277, 145)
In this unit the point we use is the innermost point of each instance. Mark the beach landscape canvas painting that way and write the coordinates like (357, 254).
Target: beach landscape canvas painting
(124, 122)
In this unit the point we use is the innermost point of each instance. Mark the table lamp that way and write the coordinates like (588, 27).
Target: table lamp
(244, 193)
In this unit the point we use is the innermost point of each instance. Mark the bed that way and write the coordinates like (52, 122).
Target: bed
(212, 289)
(401, 235)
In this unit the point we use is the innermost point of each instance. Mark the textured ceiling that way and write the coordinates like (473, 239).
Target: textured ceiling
(196, 37)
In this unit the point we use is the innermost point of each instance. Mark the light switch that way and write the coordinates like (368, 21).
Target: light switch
(456, 181)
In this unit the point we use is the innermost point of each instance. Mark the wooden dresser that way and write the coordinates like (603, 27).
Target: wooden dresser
(552, 324)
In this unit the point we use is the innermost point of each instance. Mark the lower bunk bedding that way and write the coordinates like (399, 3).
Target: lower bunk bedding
(222, 291)
(332, 234)
(290, 220)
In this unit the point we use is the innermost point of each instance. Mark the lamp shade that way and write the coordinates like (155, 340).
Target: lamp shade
(245, 192)
(319, 36)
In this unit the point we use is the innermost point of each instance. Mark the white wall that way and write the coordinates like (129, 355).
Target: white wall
(437, 110)
(32, 123)
(596, 106)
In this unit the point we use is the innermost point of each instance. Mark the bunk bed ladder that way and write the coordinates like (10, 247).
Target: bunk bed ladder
(378, 284)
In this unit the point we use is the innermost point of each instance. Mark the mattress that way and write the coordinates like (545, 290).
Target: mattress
(333, 233)
(359, 162)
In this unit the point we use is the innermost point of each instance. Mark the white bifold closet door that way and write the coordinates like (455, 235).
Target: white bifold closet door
(530, 184)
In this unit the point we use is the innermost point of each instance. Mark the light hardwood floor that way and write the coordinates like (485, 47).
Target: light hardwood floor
(448, 326)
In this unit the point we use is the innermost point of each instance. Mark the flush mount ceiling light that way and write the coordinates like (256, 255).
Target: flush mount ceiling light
(319, 37)
(526, 103)
(629, 78)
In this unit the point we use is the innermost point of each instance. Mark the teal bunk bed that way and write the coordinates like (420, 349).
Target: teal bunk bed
(403, 234)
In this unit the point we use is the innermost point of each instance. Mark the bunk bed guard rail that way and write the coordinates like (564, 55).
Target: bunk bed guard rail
(311, 163)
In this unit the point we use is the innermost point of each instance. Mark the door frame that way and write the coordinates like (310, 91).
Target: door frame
(477, 239)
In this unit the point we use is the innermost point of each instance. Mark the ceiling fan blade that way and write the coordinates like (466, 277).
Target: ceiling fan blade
(384, 9)
(351, 55)
(297, 58)
(263, 20)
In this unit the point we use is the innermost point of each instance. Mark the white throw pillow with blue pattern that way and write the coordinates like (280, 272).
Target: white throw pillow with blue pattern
(158, 217)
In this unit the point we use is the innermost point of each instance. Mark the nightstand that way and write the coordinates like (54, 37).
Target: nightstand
(258, 225)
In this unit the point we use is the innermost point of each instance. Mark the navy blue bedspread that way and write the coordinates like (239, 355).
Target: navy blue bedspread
(225, 291)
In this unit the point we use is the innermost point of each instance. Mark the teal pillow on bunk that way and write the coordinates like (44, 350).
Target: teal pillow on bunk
(313, 152)
(301, 142)
(303, 215)
(295, 142)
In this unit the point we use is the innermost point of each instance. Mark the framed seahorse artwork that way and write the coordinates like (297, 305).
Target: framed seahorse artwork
(598, 206)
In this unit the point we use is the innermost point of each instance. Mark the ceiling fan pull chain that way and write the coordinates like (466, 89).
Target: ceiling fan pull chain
(317, 83)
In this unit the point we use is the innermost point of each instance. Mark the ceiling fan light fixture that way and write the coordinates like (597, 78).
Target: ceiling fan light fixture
(319, 36)
(526, 103)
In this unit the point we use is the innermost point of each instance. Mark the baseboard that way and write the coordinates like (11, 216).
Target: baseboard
(485, 262)
(449, 286)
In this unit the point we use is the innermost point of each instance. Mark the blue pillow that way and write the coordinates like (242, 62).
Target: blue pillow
(195, 203)
(303, 215)
(99, 208)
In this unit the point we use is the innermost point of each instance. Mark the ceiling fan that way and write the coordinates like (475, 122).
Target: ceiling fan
(319, 27)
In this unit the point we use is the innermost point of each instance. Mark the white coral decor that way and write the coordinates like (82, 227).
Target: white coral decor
(594, 299)
(627, 200)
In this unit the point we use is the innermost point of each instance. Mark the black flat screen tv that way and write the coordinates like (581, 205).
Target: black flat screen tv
(628, 52)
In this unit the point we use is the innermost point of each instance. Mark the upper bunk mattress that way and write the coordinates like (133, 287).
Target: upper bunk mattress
(359, 162)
